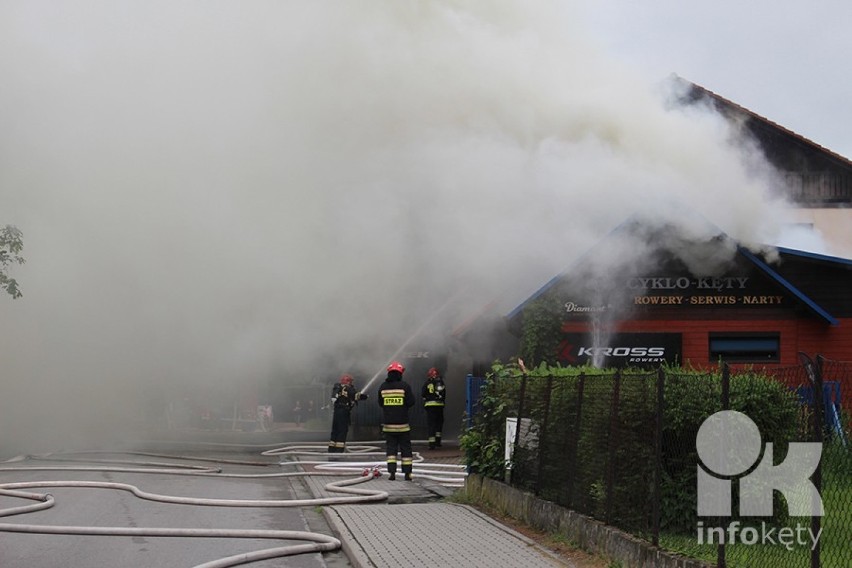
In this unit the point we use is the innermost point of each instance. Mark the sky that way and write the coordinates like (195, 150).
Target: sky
(221, 194)
(785, 60)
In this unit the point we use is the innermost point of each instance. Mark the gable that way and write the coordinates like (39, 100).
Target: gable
(670, 288)
(713, 278)
(814, 176)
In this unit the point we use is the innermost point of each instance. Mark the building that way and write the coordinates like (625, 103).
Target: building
(734, 305)
(699, 302)
(817, 181)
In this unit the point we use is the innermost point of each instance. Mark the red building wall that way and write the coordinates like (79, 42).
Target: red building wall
(808, 335)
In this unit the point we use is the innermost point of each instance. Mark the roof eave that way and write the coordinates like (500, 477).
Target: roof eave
(809, 303)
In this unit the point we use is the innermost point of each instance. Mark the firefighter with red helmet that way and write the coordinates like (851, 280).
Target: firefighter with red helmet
(434, 393)
(395, 398)
(344, 397)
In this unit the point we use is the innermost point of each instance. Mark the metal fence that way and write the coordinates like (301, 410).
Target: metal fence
(621, 448)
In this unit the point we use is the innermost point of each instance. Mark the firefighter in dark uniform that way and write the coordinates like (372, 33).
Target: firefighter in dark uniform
(434, 392)
(395, 398)
(344, 397)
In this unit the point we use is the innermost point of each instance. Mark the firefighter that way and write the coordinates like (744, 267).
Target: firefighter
(395, 398)
(434, 392)
(344, 397)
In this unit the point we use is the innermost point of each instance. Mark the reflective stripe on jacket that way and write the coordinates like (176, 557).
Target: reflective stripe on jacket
(395, 398)
(433, 392)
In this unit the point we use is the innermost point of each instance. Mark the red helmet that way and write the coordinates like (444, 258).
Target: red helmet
(433, 373)
(346, 379)
(396, 366)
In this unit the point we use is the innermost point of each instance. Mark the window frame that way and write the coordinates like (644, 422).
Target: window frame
(750, 350)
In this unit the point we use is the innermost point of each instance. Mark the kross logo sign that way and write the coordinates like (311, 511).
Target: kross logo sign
(622, 351)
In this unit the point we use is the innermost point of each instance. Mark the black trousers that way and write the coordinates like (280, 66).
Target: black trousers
(399, 442)
(339, 429)
(434, 423)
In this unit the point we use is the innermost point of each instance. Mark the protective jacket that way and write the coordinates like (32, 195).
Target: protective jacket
(395, 398)
(343, 399)
(434, 392)
(343, 395)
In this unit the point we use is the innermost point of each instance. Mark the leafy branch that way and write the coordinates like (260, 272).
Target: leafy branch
(11, 245)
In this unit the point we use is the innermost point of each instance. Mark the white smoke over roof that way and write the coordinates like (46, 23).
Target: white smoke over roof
(217, 192)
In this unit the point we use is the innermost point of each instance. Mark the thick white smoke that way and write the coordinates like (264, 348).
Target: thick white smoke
(218, 192)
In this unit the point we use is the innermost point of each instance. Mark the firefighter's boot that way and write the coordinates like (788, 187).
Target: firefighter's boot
(392, 470)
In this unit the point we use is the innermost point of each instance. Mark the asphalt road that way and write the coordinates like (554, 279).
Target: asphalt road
(107, 507)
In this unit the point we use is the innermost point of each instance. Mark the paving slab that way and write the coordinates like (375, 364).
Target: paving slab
(431, 535)
(417, 527)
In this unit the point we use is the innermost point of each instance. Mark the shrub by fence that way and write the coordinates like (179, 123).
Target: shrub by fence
(620, 446)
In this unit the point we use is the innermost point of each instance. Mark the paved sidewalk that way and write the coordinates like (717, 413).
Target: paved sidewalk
(431, 535)
(416, 527)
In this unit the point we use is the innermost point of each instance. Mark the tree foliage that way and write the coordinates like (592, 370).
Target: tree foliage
(11, 245)
(541, 331)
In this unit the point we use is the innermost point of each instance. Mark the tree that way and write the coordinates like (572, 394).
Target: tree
(11, 245)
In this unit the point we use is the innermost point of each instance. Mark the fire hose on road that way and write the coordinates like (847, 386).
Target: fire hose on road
(446, 474)
(319, 542)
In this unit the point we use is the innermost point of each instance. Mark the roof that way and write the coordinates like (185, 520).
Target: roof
(553, 281)
(801, 296)
(815, 256)
(699, 90)
(742, 251)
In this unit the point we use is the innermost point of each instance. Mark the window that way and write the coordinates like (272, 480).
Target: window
(745, 347)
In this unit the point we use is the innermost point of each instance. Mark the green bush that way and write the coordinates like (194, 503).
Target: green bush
(603, 465)
(483, 443)
(690, 398)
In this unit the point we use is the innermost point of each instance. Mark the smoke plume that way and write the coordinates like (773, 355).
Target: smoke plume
(214, 193)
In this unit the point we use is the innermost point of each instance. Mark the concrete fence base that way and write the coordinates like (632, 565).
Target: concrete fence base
(589, 534)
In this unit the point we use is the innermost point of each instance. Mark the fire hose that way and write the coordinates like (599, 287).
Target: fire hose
(320, 542)
(448, 475)
(316, 542)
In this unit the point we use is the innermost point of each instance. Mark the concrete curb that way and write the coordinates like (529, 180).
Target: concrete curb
(592, 535)
(349, 544)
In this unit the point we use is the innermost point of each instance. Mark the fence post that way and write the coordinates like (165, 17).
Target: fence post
(819, 436)
(575, 440)
(613, 441)
(469, 400)
(517, 440)
(542, 438)
(658, 456)
(721, 562)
